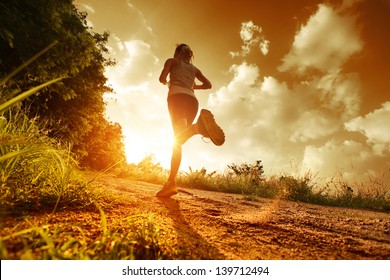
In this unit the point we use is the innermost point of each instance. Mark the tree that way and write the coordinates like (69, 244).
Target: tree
(72, 109)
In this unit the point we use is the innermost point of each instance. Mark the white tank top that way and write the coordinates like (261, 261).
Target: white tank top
(182, 78)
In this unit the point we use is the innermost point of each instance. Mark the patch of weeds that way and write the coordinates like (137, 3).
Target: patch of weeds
(135, 237)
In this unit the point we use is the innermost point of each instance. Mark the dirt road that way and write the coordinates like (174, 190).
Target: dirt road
(211, 225)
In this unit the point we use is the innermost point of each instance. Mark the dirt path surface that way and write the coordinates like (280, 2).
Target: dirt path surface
(211, 225)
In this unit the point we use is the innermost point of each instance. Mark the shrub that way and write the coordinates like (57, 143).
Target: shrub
(147, 170)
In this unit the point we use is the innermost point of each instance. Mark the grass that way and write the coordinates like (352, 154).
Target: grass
(249, 181)
(133, 237)
(35, 170)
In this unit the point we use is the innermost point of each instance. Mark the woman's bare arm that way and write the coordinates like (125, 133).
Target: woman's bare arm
(206, 84)
(167, 68)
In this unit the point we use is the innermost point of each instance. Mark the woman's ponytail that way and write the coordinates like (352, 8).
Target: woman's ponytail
(184, 52)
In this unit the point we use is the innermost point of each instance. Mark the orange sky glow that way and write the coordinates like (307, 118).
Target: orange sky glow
(301, 85)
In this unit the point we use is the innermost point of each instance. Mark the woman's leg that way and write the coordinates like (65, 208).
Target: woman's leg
(179, 127)
(183, 110)
(169, 189)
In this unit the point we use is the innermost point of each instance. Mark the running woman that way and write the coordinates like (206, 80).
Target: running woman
(183, 107)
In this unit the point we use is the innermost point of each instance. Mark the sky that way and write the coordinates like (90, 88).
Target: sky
(300, 85)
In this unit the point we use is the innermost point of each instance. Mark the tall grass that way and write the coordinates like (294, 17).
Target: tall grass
(249, 180)
(35, 170)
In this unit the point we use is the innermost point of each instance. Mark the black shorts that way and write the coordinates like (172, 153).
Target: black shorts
(183, 106)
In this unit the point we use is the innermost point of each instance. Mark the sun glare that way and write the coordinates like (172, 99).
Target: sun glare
(138, 147)
(135, 147)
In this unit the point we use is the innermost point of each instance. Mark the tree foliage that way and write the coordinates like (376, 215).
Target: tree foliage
(72, 110)
(105, 148)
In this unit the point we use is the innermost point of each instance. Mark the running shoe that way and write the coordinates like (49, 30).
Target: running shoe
(209, 128)
(168, 190)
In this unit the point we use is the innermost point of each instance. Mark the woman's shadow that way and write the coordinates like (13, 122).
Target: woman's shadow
(191, 244)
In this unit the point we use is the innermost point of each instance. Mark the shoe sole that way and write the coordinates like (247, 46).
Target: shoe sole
(166, 195)
(215, 133)
(167, 192)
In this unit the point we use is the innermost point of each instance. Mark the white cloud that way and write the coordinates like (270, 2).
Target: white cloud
(325, 43)
(347, 159)
(312, 125)
(251, 35)
(141, 16)
(257, 116)
(264, 46)
(136, 63)
(266, 119)
(267, 107)
(340, 93)
(350, 160)
(375, 126)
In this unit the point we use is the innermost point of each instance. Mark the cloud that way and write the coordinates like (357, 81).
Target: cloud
(141, 111)
(325, 43)
(347, 159)
(375, 126)
(313, 124)
(310, 121)
(141, 16)
(134, 80)
(251, 35)
(136, 63)
(340, 93)
(256, 115)
(265, 119)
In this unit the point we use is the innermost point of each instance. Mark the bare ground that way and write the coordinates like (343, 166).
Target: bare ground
(213, 225)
